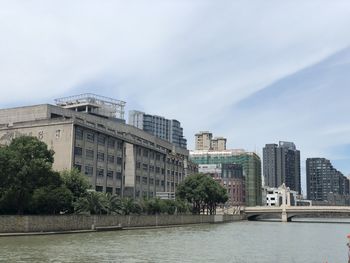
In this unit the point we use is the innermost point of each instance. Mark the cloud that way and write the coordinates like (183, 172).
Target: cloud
(189, 60)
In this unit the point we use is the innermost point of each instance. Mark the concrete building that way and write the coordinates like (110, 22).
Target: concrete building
(203, 140)
(169, 130)
(218, 144)
(231, 177)
(281, 164)
(325, 183)
(250, 162)
(88, 132)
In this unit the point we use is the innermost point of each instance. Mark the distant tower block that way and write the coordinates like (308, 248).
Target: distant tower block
(94, 104)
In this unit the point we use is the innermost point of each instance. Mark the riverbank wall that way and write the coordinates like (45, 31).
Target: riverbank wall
(62, 223)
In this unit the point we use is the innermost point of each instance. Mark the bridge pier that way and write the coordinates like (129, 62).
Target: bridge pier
(284, 217)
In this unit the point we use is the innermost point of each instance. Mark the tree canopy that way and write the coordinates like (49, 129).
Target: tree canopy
(29, 185)
(202, 192)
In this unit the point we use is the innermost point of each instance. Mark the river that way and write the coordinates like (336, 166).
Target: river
(244, 241)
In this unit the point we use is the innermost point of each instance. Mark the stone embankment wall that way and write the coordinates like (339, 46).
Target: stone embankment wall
(26, 224)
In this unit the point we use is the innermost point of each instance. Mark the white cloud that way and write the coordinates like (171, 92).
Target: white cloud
(189, 60)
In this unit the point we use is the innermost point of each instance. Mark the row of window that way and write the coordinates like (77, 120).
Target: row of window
(151, 154)
(99, 188)
(89, 170)
(89, 154)
(101, 139)
(145, 167)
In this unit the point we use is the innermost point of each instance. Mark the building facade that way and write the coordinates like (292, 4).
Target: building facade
(204, 141)
(281, 164)
(116, 157)
(218, 144)
(325, 183)
(250, 162)
(169, 130)
(231, 177)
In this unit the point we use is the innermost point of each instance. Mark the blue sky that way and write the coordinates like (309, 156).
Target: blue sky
(255, 72)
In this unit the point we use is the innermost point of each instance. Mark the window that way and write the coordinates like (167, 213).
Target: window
(120, 146)
(89, 170)
(151, 168)
(144, 180)
(157, 170)
(89, 154)
(139, 151)
(110, 174)
(138, 179)
(138, 165)
(100, 157)
(151, 181)
(119, 160)
(78, 151)
(119, 175)
(111, 143)
(145, 167)
(163, 171)
(100, 172)
(101, 139)
(145, 153)
(158, 157)
(99, 188)
(79, 134)
(90, 137)
(110, 158)
(118, 191)
(109, 190)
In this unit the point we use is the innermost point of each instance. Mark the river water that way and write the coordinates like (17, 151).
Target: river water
(244, 241)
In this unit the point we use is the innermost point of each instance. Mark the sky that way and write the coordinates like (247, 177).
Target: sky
(255, 72)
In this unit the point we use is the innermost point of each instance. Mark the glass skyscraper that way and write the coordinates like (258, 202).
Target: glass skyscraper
(166, 129)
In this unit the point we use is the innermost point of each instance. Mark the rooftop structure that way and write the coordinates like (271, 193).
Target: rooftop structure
(93, 104)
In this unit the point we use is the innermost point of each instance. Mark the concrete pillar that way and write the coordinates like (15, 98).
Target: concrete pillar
(284, 217)
(283, 192)
(288, 198)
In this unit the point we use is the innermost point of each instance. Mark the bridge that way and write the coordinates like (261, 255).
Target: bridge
(288, 212)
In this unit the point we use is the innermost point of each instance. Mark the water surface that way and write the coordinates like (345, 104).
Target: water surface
(232, 242)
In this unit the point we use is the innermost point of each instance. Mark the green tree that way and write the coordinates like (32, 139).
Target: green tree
(25, 165)
(75, 182)
(202, 192)
(92, 203)
(48, 200)
(113, 204)
(129, 206)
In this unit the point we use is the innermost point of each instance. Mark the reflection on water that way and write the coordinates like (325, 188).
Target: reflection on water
(233, 242)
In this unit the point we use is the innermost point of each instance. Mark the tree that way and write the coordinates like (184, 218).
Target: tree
(92, 203)
(129, 206)
(202, 192)
(25, 165)
(48, 200)
(75, 182)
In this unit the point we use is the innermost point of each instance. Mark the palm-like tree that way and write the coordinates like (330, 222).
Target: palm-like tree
(92, 203)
